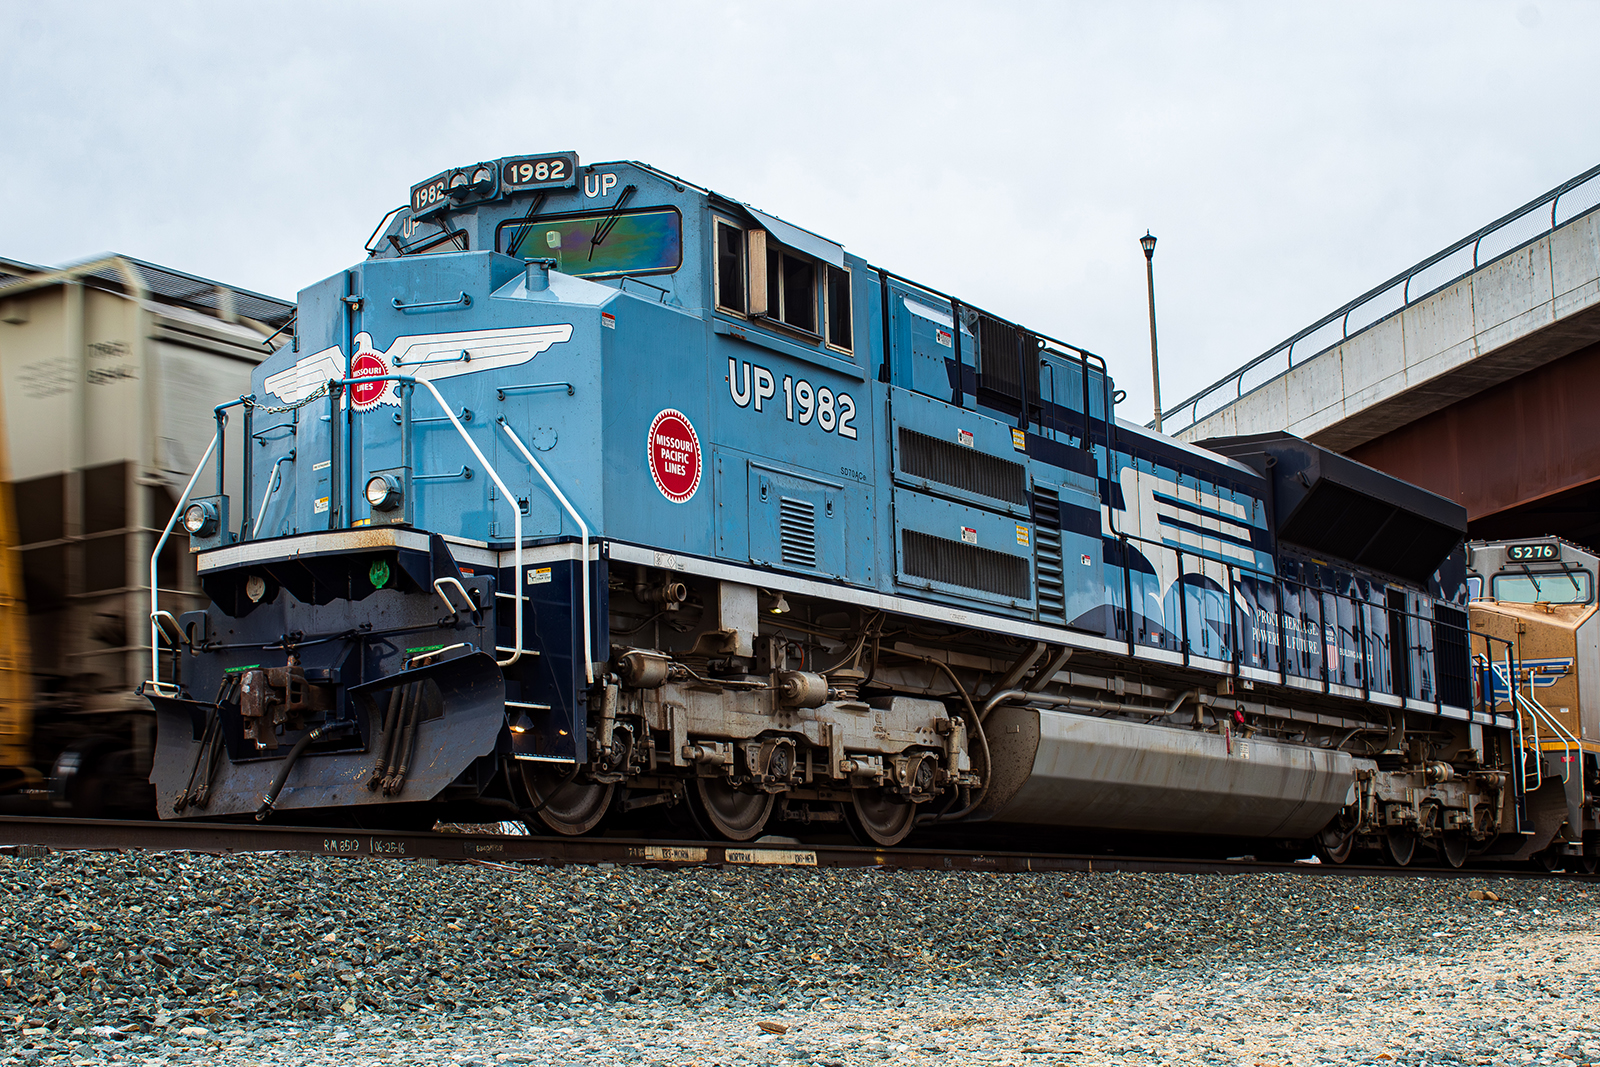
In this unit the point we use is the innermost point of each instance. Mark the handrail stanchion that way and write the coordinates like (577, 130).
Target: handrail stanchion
(335, 391)
(1127, 590)
(248, 471)
(1235, 643)
(583, 537)
(155, 591)
(1183, 608)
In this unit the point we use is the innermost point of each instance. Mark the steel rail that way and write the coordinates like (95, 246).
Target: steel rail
(29, 835)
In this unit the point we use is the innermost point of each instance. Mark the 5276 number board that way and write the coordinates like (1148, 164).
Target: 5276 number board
(1530, 553)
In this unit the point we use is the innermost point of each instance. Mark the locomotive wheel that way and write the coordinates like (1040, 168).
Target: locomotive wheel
(567, 805)
(1335, 843)
(735, 815)
(1549, 860)
(1588, 863)
(1400, 845)
(877, 817)
(1453, 847)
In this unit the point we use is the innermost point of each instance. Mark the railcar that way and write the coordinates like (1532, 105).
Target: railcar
(592, 496)
(108, 370)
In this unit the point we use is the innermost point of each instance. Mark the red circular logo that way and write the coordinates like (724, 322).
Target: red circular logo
(674, 456)
(364, 396)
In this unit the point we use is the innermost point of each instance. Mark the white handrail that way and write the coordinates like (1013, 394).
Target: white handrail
(441, 584)
(1504, 673)
(583, 536)
(1568, 742)
(155, 593)
(516, 512)
(272, 483)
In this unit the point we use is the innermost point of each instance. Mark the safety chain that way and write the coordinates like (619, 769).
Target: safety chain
(277, 409)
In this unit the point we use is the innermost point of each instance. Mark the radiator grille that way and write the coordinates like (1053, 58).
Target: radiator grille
(797, 530)
(958, 563)
(962, 468)
(1047, 554)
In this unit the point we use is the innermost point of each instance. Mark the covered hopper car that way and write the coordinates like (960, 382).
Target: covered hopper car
(593, 496)
(108, 370)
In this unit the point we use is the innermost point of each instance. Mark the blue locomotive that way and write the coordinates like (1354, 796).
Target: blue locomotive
(593, 495)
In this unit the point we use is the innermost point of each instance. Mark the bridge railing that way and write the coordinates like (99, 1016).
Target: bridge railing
(1568, 201)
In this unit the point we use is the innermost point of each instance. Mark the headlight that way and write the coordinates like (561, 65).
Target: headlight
(200, 519)
(383, 492)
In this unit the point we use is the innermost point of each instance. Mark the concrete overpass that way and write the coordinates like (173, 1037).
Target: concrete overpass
(1475, 373)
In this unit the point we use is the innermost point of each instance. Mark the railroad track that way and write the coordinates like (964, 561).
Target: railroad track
(27, 835)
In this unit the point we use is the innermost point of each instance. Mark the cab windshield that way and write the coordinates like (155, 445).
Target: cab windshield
(607, 243)
(1551, 587)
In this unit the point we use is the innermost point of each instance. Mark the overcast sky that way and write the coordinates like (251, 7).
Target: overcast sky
(1287, 156)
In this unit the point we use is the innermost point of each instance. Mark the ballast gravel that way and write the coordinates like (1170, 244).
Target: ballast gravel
(171, 959)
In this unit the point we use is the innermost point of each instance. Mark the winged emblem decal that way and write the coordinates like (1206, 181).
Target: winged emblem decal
(428, 357)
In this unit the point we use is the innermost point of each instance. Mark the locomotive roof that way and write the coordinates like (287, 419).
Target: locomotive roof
(1139, 430)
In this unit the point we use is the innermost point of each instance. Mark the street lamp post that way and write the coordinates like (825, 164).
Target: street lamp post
(1148, 243)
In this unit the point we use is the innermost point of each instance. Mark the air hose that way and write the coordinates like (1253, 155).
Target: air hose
(270, 797)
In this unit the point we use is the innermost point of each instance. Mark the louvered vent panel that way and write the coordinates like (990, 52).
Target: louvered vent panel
(1047, 554)
(1450, 644)
(1008, 367)
(797, 528)
(963, 468)
(958, 563)
(1000, 360)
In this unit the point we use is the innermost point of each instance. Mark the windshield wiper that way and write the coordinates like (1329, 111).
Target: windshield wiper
(526, 221)
(603, 231)
(1532, 581)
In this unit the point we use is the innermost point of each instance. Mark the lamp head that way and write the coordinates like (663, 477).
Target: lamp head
(1148, 243)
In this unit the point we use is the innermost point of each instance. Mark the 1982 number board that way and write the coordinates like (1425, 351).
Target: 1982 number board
(540, 172)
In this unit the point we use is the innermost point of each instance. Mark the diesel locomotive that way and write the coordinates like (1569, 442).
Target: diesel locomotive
(1538, 595)
(592, 496)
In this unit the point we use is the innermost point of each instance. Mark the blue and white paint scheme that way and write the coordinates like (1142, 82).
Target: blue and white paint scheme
(586, 383)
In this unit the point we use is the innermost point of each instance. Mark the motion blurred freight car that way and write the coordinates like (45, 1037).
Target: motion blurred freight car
(108, 371)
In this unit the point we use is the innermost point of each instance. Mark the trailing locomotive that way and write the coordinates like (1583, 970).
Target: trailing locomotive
(594, 495)
(1538, 595)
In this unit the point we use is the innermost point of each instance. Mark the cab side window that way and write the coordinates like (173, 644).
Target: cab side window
(838, 307)
(791, 289)
(759, 278)
(730, 268)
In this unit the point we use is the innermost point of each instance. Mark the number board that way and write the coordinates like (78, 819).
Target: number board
(1531, 553)
(429, 195)
(458, 185)
(557, 171)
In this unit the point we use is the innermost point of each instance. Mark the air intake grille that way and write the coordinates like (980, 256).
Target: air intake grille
(963, 468)
(1450, 651)
(958, 563)
(797, 527)
(1047, 554)
(1008, 366)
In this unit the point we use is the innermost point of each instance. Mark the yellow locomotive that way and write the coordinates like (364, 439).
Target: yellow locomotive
(1539, 596)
